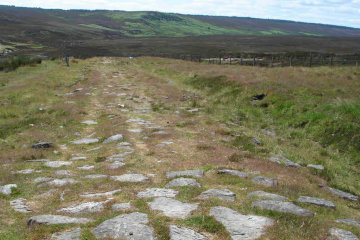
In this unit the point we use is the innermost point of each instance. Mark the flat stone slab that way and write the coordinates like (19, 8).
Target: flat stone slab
(42, 145)
(266, 195)
(102, 194)
(182, 182)
(126, 226)
(137, 130)
(233, 172)
(284, 207)
(186, 173)
(224, 194)
(69, 235)
(89, 122)
(157, 192)
(86, 167)
(241, 227)
(86, 141)
(267, 182)
(274, 160)
(114, 138)
(182, 233)
(85, 207)
(116, 165)
(130, 178)
(290, 163)
(42, 179)
(172, 208)
(56, 219)
(316, 201)
(352, 222)
(77, 158)
(57, 164)
(341, 194)
(58, 182)
(63, 173)
(19, 205)
(317, 167)
(6, 189)
(121, 206)
(96, 176)
(341, 234)
(26, 171)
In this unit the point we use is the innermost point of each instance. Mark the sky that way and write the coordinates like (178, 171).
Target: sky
(337, 12)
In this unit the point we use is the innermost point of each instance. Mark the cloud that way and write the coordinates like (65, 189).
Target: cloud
(339, 12)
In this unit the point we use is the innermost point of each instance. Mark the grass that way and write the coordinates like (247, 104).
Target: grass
(15, 62)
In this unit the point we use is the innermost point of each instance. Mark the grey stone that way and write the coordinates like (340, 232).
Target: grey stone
(56, 219)
(160, 133)
(76, 158)
(42, 179)
(317, 167)
(126, 226)
(172, 208)
(19, 205)
(267, 182)
(137, 130)
(130, 178)
(42, 145)
(256, 141)
(48, 193)
(181, 182)
(241, 227)
(58, 182)
(157, 192)
(341, 194)
(182, 233)
(233, 172)
(7, 189)
(121, 206)
(38, 160)
(86, 167)
(25, 171)
(110, 193)
(284, 207)
(290, 163)
(186, 173)
(95, 176)
(57, 164)
(86, 141)
(266, 195)
(68, 235)
(316, 201)
(116, 165)
(63, 173)
(341, 234)
(352, 222)
(89, 122)
(275, 160)
(85, 207)
(224, 194)
(115, 138)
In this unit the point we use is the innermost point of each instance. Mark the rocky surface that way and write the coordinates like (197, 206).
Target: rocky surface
(19, 205)
(224, 194)
(341, 194)
(182, 233)
(114, 138)
(101, 194)
(239, 226)
(186, 173)
(86, 141)
(7, 189)
(121, 206)
(68, 235)
(96, 176)
(85, 207)
(89, 122)
(126, 226)
(266, 195)
(57, 164)
(284, 207)
(316, 201)
(317, 167)
(172, 208)
(341, 234)
(42, 145)
(130, 178)
(267, 182)
(58, 182)
(352, 222)
(56, 219)
(182, 182)
(157, 192)
(25, 171)
(233, 172)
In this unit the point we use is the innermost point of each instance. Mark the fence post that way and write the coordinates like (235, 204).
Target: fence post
(220, 60)
(254, 61)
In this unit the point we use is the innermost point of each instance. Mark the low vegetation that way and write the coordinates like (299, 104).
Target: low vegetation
(15, 62)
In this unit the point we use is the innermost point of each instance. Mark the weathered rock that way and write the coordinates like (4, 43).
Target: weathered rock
(130, 178)
(182, 233)
(316, 201)
(76, 158)
(241, 227)
(115, 138)
(256, 141)
(181, 182)
(275, 160)
(126, 226)
(95, 176)
(7, 189)
(233, 172)
(290, 163)
(42, 145)
(172, 208)
(19, 205)
(267, 182)
(157, 192)
(25, 171)
(85, 207)
(47, 193)
(42, 179)
(352, 222)
(224, 194)
(317, 167)
(58, 182)
(68, 235)
(86, 167)
(38, 160)
(63, 173)
(160, 133)
(89, 122)
(121, 206)
(57, 164)
(116, 165)
(341, 234)
(56, 219)
(86, 141)
(186, 173)
(89, 195)
(280, 206)
(266, 195)
(137, 130)
(341, 194)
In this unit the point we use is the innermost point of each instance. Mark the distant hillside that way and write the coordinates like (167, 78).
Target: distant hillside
(37, 28)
